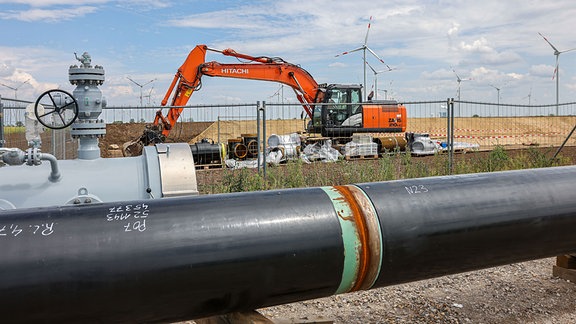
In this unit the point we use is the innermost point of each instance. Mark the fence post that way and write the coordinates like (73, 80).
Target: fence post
(450, 132)
(258, 134)
(2, 141)
(264, 141)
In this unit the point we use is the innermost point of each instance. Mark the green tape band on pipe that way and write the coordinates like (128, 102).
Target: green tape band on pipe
(350, 239)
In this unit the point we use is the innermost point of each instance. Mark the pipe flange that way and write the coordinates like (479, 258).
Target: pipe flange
(33, 156)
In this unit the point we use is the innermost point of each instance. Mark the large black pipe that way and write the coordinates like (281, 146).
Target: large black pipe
(181, 258)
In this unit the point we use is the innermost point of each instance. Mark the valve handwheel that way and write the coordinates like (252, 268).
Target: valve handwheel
(60, 109)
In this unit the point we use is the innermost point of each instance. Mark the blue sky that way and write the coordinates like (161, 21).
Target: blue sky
(494, 43)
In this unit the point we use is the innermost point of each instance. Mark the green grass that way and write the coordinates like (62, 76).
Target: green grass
(389, 167)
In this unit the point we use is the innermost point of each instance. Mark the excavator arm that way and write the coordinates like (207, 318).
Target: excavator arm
(189, 75)
(188, 79)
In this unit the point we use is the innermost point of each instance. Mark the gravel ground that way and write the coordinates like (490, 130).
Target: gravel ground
(517, 293)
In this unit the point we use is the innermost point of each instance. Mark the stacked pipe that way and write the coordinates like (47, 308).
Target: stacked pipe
(289, 145)
(237, 149)
(243, 147)
(191, 257)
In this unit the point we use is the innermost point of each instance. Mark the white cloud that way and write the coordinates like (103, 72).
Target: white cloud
(454, 29)
(48, 3)
(423, 38)
(47, 15)
(38, 74)
(515, 76)
(542, 70)
(6, 69)
(337, 65)
(477, 46)
(440, 74)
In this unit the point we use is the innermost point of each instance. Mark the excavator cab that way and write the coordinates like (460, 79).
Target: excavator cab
(343, 102)
(342, 113)
(341, 109)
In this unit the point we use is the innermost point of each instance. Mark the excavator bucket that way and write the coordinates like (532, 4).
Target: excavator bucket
(132, 148)
(151, 135)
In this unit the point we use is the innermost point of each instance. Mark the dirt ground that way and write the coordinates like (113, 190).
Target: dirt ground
(121, 133)
(517, 293)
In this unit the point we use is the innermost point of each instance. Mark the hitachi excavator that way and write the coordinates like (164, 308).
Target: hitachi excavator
(335, 110)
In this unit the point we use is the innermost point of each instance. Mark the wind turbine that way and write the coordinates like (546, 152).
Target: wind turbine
(529, 96)
(459, 80)
(557, 68)
(365, 48)
(149, 96)
(376, 77)
(16, 88)
(141, 86)
(388, 91)
(498, 90)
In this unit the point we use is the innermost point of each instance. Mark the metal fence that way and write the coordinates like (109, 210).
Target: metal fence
(482, 125)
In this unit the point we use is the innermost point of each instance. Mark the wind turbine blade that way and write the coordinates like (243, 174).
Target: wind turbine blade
(457, 76)
(547, 41)
(569, 50)
(138, 84)
(352, 51)
(367, 31)
(379, 59)
(371, 68)
(556, 68)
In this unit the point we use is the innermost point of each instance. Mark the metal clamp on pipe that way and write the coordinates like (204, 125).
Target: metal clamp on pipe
(177, 170)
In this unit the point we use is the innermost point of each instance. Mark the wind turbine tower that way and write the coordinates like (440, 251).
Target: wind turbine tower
(459, 80)
(376, 77)
(557, 69)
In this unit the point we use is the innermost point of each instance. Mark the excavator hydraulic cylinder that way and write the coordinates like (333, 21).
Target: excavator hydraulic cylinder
(180, 258)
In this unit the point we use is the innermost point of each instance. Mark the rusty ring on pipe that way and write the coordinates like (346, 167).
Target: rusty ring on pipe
(361, 237)
(374, 239)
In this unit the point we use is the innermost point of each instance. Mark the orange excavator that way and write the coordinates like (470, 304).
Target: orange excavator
(335, 110)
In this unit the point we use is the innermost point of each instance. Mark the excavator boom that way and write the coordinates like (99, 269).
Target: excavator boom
(189, 75)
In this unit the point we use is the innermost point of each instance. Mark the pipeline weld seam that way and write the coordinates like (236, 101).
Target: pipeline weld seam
(363, 250)
(375, 235)
(350, 239)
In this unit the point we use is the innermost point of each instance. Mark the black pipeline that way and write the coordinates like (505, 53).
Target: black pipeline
(181, 258)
